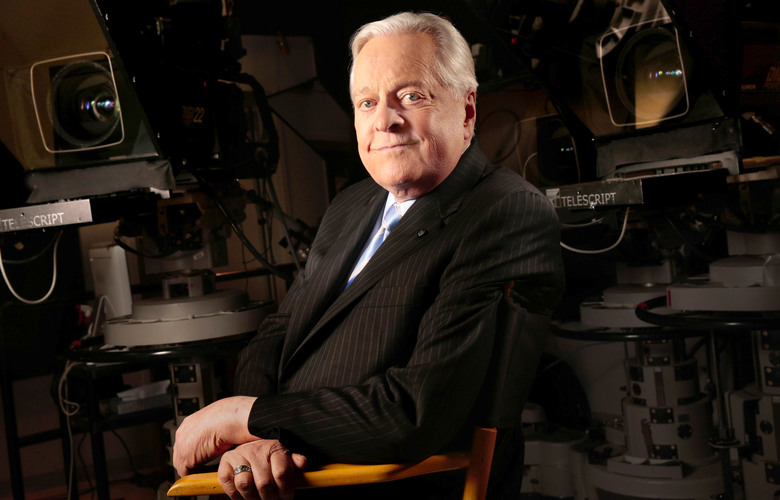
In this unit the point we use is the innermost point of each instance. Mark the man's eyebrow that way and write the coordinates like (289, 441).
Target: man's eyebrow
(411, 83)
(400, 85)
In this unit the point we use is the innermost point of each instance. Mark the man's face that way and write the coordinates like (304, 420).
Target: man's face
(410, 129)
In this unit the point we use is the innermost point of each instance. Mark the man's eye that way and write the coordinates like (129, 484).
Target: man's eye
(411, 97)
(366, 104)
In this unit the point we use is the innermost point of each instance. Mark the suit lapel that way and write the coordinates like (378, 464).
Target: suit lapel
(328, 281)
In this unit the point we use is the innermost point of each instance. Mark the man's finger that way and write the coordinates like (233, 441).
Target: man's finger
(237, 483)
(225, 476)
(299, 461)
(244, 482)
(265, 484)
(283, 469)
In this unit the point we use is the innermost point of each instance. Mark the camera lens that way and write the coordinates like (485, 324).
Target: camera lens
(99, 105)
(650, 74)
(85, 110)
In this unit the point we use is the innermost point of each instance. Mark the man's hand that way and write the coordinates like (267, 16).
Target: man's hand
(211, 431)
(271, 475)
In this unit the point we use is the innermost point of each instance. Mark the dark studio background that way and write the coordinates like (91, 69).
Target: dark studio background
(535, 103)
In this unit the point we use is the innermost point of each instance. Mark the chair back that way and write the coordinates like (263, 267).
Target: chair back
(519, 340)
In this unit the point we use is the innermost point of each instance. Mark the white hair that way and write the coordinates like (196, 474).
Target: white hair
(454, 64)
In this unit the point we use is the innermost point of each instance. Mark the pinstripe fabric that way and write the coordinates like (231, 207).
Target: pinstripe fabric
(390, 368)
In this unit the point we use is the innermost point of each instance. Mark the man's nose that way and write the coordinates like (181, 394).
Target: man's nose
(387, 117)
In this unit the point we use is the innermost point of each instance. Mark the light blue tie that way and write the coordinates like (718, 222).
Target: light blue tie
(389, 220)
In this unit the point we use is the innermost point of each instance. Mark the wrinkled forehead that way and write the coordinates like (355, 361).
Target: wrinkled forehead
(387, 61)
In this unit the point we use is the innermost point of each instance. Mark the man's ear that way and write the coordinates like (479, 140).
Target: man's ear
(471, 113)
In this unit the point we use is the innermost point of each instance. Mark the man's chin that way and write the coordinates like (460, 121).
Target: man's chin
(407, 190)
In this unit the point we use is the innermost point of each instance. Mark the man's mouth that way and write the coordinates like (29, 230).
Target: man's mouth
(390, 147)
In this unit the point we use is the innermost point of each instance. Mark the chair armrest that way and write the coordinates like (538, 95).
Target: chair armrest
(333, 475)
(205, 483)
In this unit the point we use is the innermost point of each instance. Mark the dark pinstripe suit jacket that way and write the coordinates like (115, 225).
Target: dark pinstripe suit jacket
(390, 368)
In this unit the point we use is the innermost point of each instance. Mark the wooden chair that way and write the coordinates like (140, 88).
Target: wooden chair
(515, 357)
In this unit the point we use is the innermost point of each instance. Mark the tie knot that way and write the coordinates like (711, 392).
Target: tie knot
(392, 216)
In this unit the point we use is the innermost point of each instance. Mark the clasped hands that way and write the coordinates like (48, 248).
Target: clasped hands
(221, 429)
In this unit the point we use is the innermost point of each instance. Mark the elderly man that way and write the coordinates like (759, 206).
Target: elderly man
(378, 358)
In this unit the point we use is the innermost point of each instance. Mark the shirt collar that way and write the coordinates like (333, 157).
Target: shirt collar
(402, 205)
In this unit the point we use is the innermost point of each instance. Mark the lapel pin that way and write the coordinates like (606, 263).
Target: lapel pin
(421, 232)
